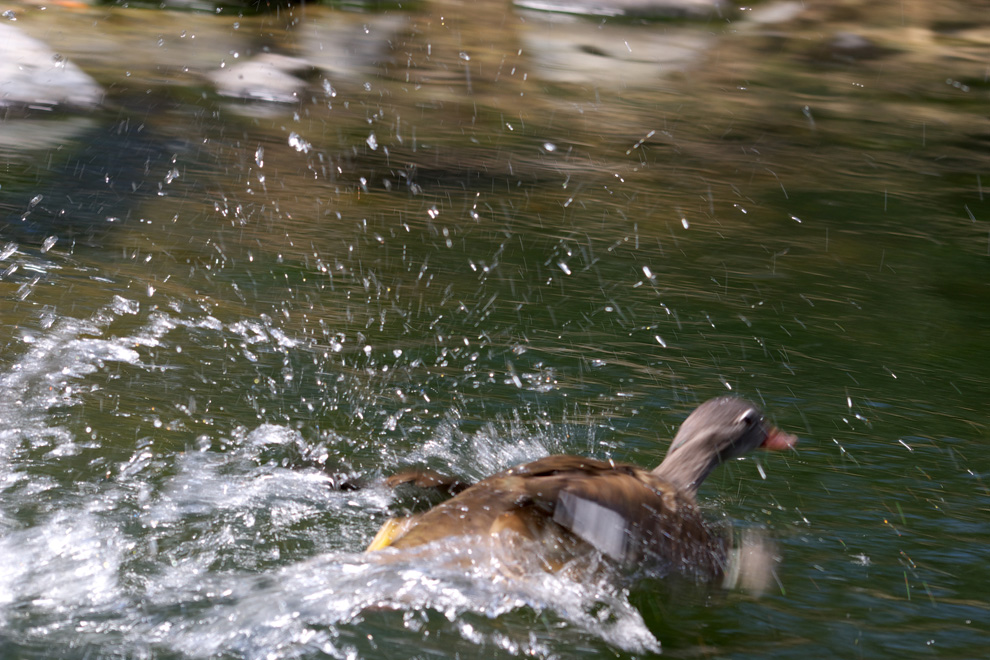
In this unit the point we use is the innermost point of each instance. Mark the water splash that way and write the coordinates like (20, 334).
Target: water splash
(238, 543)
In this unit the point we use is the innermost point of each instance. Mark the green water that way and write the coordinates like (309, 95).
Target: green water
(529, 257)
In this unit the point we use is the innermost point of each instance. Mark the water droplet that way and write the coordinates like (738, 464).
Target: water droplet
(298, 143)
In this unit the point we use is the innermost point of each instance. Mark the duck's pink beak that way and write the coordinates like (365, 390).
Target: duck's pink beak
(777, 440)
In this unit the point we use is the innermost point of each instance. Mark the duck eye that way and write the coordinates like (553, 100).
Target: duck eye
(748, 418)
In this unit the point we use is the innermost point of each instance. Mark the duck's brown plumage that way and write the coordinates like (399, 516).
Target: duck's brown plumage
(567, 503)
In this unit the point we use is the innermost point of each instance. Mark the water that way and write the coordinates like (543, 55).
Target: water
(215, 311)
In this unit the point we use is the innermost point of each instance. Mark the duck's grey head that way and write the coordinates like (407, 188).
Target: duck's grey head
(718, 429)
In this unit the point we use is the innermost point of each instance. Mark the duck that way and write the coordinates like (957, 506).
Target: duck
(561, 506)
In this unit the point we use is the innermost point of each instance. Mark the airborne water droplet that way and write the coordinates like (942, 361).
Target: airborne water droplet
(298, 143)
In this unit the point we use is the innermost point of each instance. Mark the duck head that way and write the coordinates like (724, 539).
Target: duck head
(719, 429)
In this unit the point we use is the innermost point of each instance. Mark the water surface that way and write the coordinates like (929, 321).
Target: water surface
(482, 235)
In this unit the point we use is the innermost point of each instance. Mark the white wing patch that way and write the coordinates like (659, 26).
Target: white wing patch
(600, 526)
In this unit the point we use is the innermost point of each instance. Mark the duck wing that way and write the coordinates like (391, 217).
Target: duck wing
(625, 512)
(428, 480)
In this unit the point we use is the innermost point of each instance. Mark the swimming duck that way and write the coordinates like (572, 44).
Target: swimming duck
(570, 504)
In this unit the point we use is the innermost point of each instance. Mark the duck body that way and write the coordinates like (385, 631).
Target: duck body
(570, 504)
(566, 506)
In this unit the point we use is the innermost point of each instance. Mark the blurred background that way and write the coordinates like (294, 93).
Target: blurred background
(252, 251)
